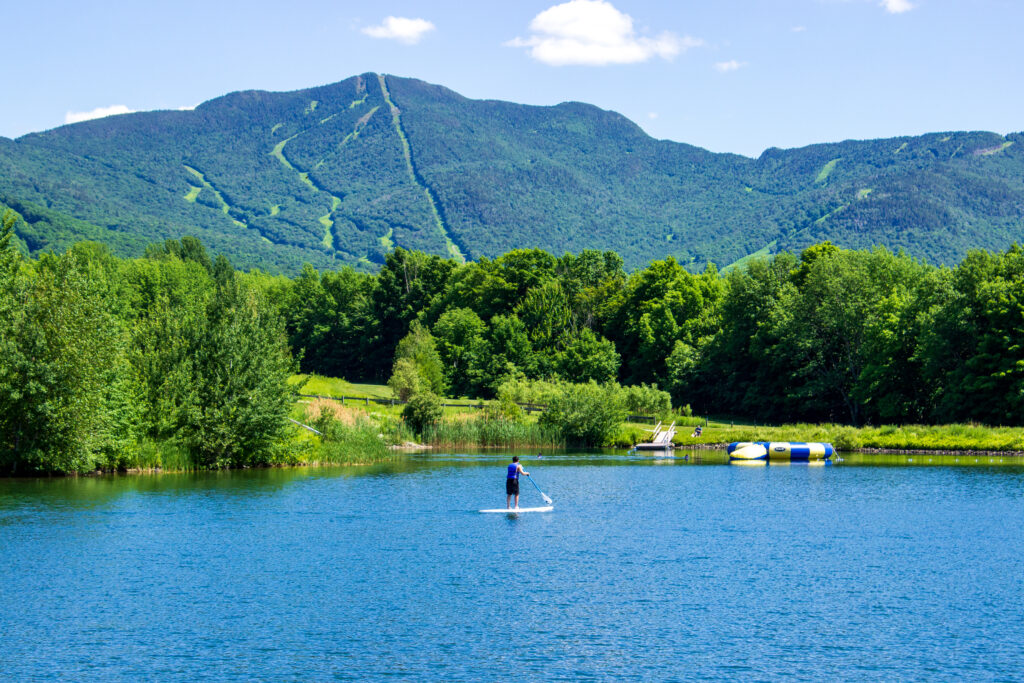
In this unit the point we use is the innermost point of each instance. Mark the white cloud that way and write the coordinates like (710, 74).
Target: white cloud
(402, 29)
(98, 113)
(896, 6)
(890, 6)
(594, 33)
(731, 65)
(652, 115)
(799, 29)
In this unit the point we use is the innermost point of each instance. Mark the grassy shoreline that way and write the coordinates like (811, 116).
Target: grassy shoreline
(358, 435)
(872, 451)
(953, 439)
(460, 430)
(359, 441)
(357, 461)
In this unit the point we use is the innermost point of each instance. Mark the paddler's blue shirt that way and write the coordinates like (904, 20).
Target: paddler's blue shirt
(513, 471)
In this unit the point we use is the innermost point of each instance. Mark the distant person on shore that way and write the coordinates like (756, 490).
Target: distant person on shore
(696, 432)
(512, 481)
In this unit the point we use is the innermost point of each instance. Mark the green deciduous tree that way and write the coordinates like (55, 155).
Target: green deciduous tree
(736, 372)
(459, 334)
(658, 306)
(169, 303)
(406, 285)
(587, 357)
(547, 315)
(236, 409)
(67, 393)
(406, 379)
(973, 347)
(423, 410)
(586, 414)
(508, 351)
(419, 347)
(645, 399)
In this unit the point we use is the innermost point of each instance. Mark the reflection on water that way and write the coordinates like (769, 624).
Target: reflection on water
(82, 492)
(928, 459)
(890, 567)
(23, 496)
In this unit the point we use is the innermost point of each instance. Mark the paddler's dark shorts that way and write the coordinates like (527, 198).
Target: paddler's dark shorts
(511, 487)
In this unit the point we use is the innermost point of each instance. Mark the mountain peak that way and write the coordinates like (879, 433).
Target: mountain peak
(338, 174)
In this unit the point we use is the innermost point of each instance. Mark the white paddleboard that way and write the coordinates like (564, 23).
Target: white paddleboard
(516, 511)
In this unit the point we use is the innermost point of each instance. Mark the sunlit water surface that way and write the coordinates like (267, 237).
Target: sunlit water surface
(645, 570)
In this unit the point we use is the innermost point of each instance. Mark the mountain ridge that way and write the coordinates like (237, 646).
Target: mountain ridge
(339, 173)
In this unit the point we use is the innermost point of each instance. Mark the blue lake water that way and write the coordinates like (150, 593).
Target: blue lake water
(644, 571)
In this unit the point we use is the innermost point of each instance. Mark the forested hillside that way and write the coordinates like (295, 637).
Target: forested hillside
(342, 174)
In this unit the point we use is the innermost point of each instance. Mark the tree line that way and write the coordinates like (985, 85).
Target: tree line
(848, 336)
(99, 354)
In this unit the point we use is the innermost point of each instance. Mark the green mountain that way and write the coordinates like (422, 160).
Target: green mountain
(339, 174)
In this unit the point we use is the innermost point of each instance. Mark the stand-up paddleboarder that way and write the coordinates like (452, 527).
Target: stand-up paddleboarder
(512, 481)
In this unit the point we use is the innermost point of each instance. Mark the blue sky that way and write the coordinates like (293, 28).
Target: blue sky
(728, 75)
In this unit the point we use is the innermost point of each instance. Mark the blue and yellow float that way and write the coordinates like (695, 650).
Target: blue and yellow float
(793, 451)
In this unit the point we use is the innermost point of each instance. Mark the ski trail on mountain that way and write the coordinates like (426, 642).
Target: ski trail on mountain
(396, 120)
(327, 220)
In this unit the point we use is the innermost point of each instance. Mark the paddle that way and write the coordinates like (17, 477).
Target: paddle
(542, 494)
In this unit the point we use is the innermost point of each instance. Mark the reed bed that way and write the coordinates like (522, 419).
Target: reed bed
(350, 444)
(489, 433)
(346, 415)
(155, 455)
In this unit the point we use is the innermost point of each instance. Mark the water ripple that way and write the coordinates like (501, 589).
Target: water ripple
(641, 573)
